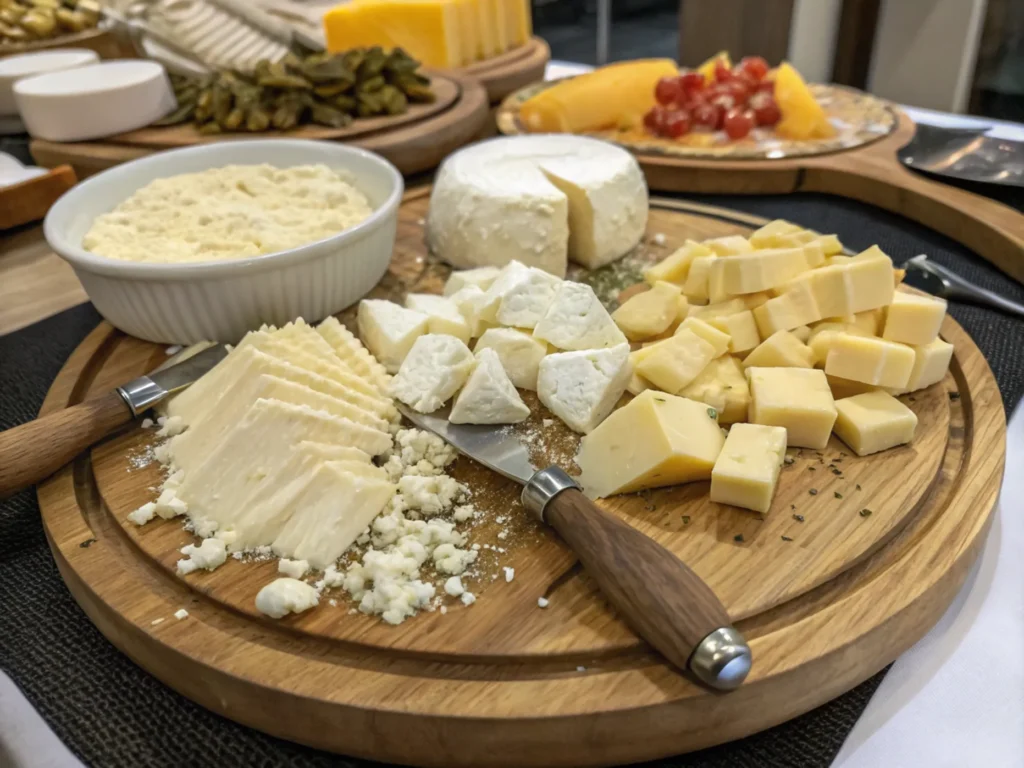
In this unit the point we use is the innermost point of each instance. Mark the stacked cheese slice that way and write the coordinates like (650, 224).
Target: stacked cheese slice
(779, 330)
(440, 33)
(278, 443)
(540, 200)
(532, 330)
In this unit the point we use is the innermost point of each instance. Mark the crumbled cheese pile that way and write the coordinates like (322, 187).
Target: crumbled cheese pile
(387, 580)
(232, 212)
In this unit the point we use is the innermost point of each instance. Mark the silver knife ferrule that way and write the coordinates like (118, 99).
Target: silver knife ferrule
(722, 660)
(142, 393)
(542, 487)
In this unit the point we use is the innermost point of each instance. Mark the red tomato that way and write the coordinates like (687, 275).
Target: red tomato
(766, 110)
(766, 86)
(754, 67)
(654, 120)
(738, 123)
(739, 89)
(707, 116)
(691, 81)
(722, 73)
(677, 124)
(667, 91)
(724, 101)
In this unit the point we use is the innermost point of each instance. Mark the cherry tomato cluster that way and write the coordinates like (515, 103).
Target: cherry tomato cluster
(738, 99)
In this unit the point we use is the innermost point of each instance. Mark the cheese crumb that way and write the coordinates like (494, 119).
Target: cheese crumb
(154, 622)
(296, 569)
(659, 239)
(283, 596)
(542, 602)
(547, 423)
(147, 423)
(468, 598)
(510, 573)
(502, 535)
(180, 614)
(172, 350)
(444, 609)
(454, 586)
(169, 427)
(168, 505)
(581, 669)
(143, 514)
(208, 555)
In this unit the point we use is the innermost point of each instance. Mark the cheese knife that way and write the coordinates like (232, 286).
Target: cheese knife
(34, 451)
(663, 601)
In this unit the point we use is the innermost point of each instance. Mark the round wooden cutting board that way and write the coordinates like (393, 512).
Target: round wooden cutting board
(855, 562)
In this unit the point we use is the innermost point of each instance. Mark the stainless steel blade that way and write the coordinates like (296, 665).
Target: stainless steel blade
(146, 391)
(492, 446)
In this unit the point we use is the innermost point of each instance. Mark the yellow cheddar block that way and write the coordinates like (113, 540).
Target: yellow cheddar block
(494, 13)
(723, 386)
(522, 21)
(780, 350)
(469, 25)
(742, 330)
(766, 236)
(719, 340)
(873, 422)
(870, 360)
(654, 440)
(616, 95)
(790, 310)
(913, 319)
(676, 266)
(731, 245)
(798, 399)
(748, 466)
(649, 313)
(759, 270)
(696, 286)
(931, 361)
(676, 362)
(430, 31)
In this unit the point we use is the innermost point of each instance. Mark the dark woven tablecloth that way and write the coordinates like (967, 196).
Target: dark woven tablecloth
(112, 713)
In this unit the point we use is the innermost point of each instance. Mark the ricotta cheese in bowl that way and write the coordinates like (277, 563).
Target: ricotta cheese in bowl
(229, 213)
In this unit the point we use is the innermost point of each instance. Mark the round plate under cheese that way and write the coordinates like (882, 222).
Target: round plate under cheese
(94, 101)
(543, 200)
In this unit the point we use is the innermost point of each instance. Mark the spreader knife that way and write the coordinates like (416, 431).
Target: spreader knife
(34, 451)
(664, 602)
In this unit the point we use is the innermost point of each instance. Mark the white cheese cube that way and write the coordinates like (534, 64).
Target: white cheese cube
(675, 267)
(488, 397)
(389, 330)
(520, 354)
(873, 422)
(443, 315)
(913, 319)
(577, 320)
(582, 387)
(435, 369)
(655, 440)
(525, 301)
(471, 301)
(747, 469)
(677, 361)
(931, 361)
(723, 386)
(870, 360)
(648, 313)
(798, 399)
(481, 277)
(780, 350)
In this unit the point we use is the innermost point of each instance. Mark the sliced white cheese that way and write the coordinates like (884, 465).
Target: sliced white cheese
(524, 302)
(582, 387)
(300, 339)
(389, 330)
(443, 315)
(577, 320)
(348, 348)
(481, 277)
(520, 354)
(488, 397)
(434, 370)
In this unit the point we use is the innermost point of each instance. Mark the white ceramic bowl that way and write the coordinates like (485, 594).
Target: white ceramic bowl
(94, 101)
(15, 68)
(221, 300)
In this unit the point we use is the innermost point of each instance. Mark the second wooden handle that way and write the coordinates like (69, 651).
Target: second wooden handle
(664, 602)
(34, 451)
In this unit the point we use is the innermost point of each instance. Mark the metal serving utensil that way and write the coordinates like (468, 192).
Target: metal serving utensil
(938, 280)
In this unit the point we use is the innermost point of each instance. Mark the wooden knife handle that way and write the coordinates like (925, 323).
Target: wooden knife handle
(34, 451)
(663, 601)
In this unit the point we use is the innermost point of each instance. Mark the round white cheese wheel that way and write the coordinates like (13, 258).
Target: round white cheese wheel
(542, 200)
(15, 68)
(94, 101)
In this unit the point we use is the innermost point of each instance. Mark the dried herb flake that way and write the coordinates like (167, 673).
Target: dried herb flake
(738, 537)
(954, 396)
(786, 538)
(865, 512)
(798, 518)
(686, 519)
(813, 491)
(838, 495)
(712, 413)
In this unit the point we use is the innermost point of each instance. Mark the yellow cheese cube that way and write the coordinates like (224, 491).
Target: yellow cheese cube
(730, 245)
(755, 300)
(870, 322)
(869, 279)
(765, 236)
(429, 31)
(682, 309)
(758, 271)
(676, 266)
(790, 310)
(823, 337)
(798, 399)
(845, 388)
(837, 260)
(828, 287)
(742, 330)
(913, 319)
(780, 350)
(653, 441)
(931, 361)
(748, 467)
(675, 362)
(870, 360)
(648, 313)
(718, 309)
(723, 386)
(873, 422)
(719, 340)
(830, 244)
(802, 332)
(696, 286)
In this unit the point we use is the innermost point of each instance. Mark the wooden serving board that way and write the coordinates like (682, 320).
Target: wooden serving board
(512, 70)
(826, 593)
(413, 145)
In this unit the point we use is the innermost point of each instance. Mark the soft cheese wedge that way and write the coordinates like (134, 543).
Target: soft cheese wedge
(443, 315)
(655, 440)
(526, 300)
(578, 320)
(520, 354)
(389, 331)
(488, 397)
(435, 369)
(582, 387)
(481, 277)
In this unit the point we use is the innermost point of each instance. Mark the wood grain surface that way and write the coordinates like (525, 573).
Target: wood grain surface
(30, 200)
(823, 608)
(413, 147)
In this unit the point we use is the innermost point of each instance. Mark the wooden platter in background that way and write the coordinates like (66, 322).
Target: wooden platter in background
(413, 145)
(512, 70)
(101, 39)
(868, 172)
(826, 600)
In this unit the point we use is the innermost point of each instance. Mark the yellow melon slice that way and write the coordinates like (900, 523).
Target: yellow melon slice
(802, 115)
(708, 67)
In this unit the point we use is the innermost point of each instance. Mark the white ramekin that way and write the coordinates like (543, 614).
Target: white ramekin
(221, 300)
